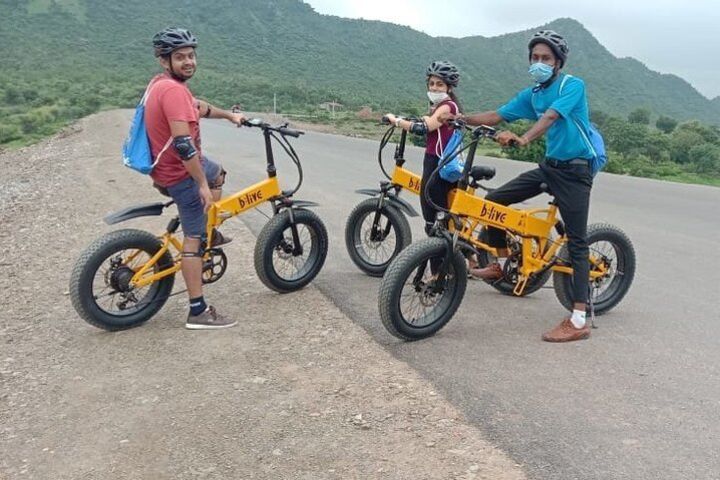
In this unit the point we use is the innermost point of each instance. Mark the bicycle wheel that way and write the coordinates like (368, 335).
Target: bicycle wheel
(610, 247)
(100, 288)
(373, 237)
(413, 305)
(279, 265)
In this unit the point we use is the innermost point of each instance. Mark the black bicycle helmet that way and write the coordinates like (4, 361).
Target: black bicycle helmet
(167, 41)
(446, 71)
(552, 39)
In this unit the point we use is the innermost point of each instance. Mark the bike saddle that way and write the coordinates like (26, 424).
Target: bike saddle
(482, 172)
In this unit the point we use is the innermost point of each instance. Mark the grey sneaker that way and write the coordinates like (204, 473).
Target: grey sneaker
(219, 239)
(208, 320)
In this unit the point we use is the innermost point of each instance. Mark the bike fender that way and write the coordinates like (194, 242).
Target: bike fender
(402, 205)
(304, 204)
(369, 191)
(145, 210)
(290, 204)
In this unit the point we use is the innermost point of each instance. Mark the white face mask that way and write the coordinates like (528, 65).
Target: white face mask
(437, 97)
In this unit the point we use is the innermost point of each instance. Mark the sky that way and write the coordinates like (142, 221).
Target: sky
(679, 37)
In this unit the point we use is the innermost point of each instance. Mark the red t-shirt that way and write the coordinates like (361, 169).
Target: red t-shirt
(432, 146)
(169, 100)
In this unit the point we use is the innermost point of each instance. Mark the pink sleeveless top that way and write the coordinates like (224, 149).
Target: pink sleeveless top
(437, 140)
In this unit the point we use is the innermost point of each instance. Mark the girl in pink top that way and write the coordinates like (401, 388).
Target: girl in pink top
(442, 78)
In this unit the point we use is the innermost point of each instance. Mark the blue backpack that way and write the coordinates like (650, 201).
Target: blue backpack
(453, 169)
(593, 139)
(597, 145)
(136, 150)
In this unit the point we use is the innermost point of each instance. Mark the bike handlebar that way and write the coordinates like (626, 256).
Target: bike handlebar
(386, 121)
(281, 129)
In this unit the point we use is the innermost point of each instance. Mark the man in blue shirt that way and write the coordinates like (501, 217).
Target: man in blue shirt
(558, 105)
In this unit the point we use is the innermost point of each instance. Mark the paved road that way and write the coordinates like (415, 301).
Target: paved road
(639, 400)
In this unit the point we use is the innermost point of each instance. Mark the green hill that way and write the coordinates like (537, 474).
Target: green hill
(71, 57)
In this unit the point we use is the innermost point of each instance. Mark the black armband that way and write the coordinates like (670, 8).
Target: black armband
(185, 147)
(418, 128)
(207, 114)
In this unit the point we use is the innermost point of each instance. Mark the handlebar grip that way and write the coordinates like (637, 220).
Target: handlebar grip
(292, 133)
(385, 120)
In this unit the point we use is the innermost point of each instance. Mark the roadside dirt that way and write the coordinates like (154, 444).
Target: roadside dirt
(296, 391)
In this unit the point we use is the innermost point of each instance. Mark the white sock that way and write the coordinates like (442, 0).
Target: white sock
(578, 318)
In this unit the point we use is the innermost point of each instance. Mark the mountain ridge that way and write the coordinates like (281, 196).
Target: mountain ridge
(251, 49)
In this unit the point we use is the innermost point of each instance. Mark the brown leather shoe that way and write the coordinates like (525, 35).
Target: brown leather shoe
(565, 331)
(491, 272)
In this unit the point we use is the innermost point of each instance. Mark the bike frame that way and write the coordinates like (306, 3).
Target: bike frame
(267, 190)
(533, 226)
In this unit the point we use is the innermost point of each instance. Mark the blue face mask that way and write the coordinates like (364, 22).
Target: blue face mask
(541, 72)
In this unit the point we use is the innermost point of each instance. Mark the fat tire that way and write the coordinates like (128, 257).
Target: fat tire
(94, 256)
(400, 225)
(272, 233)
(394, 280)
(562, 282)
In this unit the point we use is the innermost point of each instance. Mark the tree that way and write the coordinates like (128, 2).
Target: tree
(599, 118)
(625, 137)
(705, 158)
(682, 141)
(708, 134)
(666, 124)
(640, 115)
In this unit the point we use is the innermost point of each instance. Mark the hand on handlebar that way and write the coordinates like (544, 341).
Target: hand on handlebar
(389, 119)
(448, 116)
(237, 118)
(252, 122)
(509, 139)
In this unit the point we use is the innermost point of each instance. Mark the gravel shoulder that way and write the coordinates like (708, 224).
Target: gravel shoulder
(297, 390)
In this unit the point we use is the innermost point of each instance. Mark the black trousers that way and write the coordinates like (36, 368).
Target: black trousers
(571, 185)
(438, 190)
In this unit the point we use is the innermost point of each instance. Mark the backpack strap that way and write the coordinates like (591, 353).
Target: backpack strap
(439, 148)
(148, 90)
(562, 83)
(585, 137)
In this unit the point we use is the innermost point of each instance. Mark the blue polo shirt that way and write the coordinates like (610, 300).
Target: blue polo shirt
(563, 140)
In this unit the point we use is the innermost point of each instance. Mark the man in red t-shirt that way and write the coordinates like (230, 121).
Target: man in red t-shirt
(172, 119)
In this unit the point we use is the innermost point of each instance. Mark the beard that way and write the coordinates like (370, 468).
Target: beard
(182, 74)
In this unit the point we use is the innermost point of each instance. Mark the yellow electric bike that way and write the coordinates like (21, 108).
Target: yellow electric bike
(377, 229)
(125, 277)
(424, 285)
